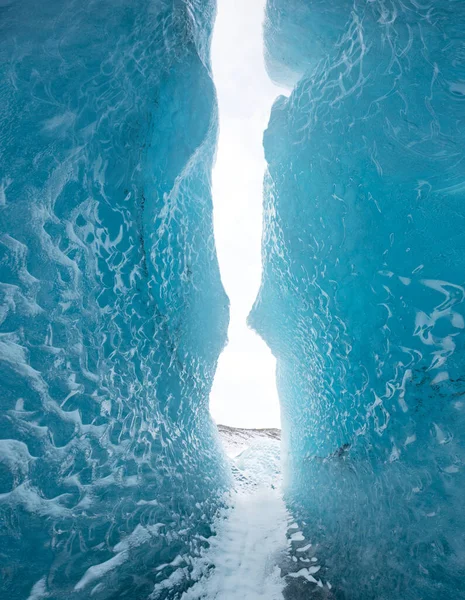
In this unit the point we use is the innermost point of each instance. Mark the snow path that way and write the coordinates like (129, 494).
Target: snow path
(250, 539)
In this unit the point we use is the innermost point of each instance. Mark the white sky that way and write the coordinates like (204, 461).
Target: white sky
(244, 391)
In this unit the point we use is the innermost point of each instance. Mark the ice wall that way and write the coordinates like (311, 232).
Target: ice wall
(112, 309)
(362, 299)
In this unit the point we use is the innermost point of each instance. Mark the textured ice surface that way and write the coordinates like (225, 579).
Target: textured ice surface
(362, 299)
(112, 311)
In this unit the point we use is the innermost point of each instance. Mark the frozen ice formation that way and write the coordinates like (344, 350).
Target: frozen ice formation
(362, 298)
(112, 309)
(112, 312)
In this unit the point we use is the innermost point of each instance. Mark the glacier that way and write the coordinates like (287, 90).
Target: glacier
(113, 482)
(362, 296)
(112, 310)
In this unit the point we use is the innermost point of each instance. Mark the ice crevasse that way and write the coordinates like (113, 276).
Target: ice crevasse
(362, 297)
(112, 312)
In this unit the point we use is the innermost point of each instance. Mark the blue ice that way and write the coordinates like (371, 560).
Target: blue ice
(362, 298)
(112, 310)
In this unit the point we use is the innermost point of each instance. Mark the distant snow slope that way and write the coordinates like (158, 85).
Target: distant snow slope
(236, 439)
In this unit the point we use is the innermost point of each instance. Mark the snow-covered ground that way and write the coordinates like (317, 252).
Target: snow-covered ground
(258, 552)
(250, 540)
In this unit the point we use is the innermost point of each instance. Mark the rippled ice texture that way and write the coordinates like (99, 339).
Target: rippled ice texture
(112, 310)
(362, 299)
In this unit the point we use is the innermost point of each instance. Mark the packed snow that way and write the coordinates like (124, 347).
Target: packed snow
(251, 555)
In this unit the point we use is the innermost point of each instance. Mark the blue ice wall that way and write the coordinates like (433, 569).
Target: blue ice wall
(362, 298)
(112, 313)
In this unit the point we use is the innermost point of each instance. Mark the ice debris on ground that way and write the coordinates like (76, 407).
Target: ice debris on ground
(250, 557)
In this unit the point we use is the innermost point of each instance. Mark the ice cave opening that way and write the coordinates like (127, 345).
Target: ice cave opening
(244, 389)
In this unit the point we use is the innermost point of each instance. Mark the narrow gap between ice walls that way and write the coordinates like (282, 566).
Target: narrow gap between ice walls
(248, 555)
(362, 299)
(244, 391)
(113, 313)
